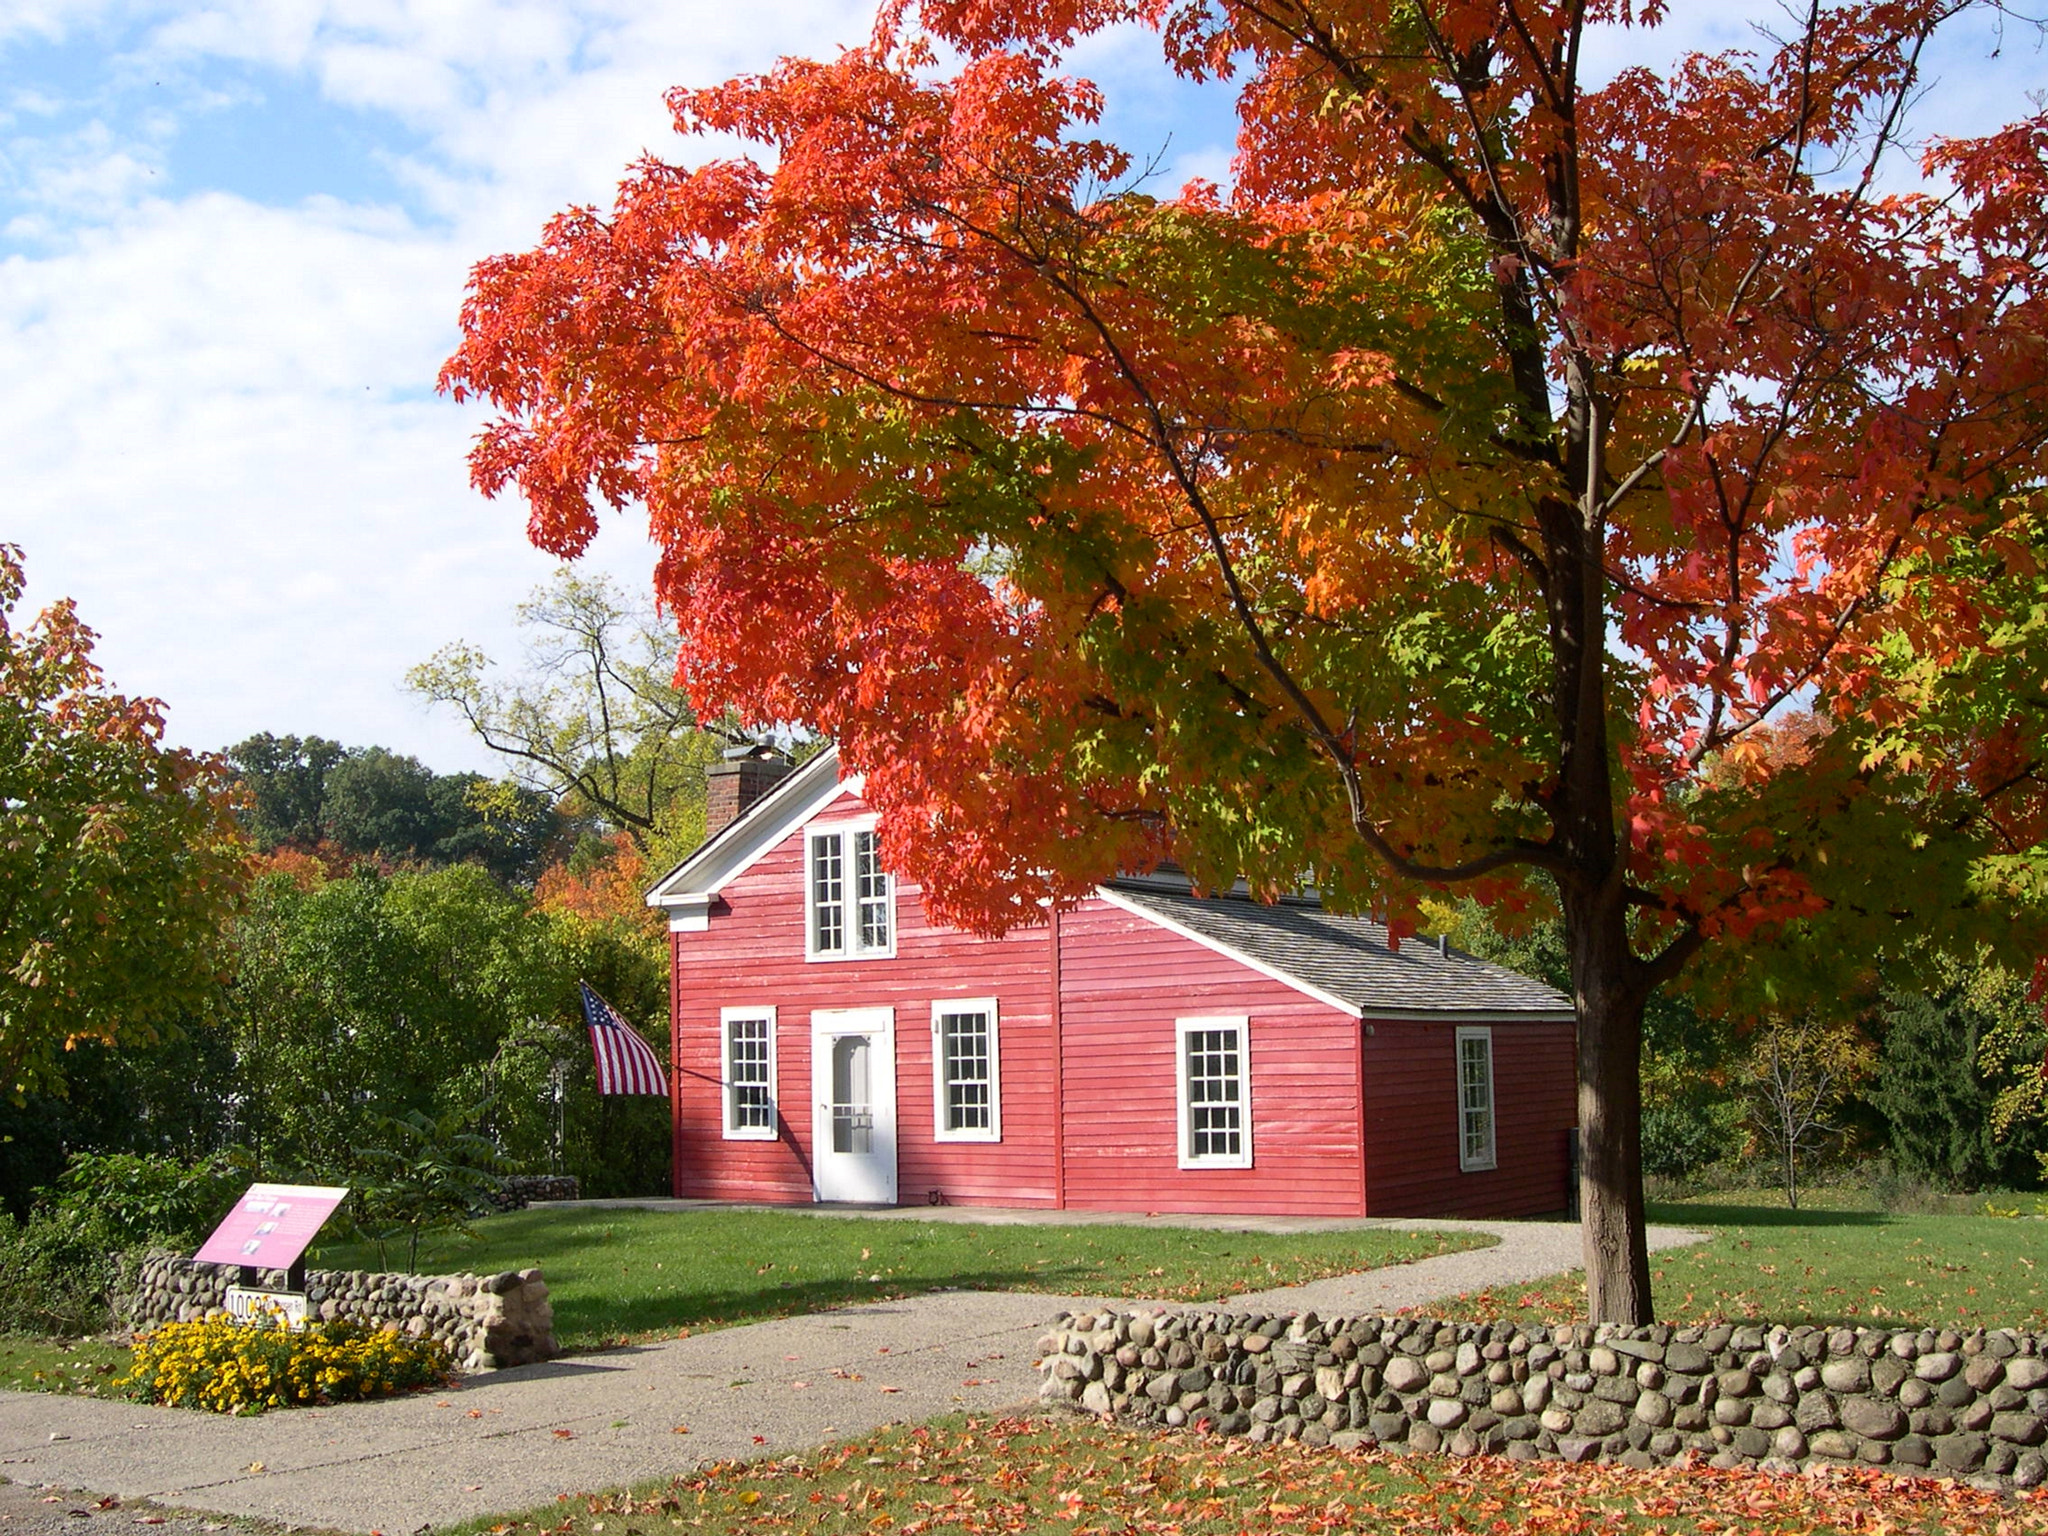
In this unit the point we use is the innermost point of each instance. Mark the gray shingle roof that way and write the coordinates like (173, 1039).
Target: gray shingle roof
(1348, 958)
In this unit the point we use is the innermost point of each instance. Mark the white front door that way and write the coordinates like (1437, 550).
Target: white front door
(853, 1090)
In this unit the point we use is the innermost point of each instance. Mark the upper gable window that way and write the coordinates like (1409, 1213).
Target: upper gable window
(849, 901)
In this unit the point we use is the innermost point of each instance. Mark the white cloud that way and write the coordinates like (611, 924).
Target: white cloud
(217, 420)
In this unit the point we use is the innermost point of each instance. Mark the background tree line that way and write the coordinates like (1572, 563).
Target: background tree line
(1941, 1082)
(391, 940)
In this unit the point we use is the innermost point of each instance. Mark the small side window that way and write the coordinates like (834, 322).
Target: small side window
(1475, 1099)
(967, 1100)
(749, 1073)
(1214, 1077)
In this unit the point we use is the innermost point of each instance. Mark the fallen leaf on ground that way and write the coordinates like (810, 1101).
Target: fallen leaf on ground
(680, 1429)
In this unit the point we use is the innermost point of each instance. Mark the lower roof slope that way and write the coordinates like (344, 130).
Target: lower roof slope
(1348, 957)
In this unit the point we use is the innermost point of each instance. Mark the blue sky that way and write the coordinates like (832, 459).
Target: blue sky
(233, 238)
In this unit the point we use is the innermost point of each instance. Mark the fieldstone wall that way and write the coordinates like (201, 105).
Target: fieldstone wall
(516, 1191)
(1934, 1402)
(485, 1321)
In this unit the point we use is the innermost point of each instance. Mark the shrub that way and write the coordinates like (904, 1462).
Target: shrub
(59, 1266)
(1683, 1136)
(231, 1367)
(126, 1199)
(54, 1277)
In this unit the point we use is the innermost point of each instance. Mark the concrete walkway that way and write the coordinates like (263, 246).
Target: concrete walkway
(519, 1438)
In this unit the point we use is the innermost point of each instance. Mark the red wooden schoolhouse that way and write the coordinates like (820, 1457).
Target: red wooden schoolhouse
(1148, 1050)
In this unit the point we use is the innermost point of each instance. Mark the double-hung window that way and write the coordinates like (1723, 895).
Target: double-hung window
(1475, 1099)
(1213, 1069)
(967, 1100)
(849, 905)
(748, 1073)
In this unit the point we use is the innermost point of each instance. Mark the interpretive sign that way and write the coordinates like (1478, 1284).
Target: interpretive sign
(271, 1225)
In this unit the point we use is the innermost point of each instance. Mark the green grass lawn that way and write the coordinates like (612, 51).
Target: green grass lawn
(1769, 1264)
(620, 1275)
(965, 1475)
(84, 1366)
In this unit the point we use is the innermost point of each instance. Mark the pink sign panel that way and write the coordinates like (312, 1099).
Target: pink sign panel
(271, 1225)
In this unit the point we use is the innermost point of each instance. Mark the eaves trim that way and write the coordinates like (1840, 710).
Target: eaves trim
(740, 846)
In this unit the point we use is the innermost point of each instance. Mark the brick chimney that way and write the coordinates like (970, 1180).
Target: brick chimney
(737, 781)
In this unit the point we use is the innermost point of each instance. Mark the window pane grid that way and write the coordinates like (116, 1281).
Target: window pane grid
(1215, 1112)
(964, 1057)
(1475, 1097)
(750, 1106)
(828, 895)
(871, 891)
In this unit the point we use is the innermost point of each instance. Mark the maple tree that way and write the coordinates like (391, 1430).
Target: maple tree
(1458, 500)
(119, 856)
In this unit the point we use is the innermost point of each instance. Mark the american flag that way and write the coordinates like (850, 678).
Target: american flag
(625, 1064)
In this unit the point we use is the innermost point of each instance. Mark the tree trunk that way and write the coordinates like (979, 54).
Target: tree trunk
(1610, 1046)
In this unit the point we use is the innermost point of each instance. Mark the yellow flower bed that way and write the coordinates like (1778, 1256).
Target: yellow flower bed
(232, 1367)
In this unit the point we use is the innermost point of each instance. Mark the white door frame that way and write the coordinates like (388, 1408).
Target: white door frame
(856, 1178)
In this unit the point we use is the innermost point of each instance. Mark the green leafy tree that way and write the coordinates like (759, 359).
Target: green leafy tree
(426, 1173)
(1980, 1109)
(284, 787)
(120, 860)
(371, 802)
(174, 1098)
(383, 994)
(595, 718)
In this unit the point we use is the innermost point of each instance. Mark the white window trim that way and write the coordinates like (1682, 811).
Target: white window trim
(982, 1005)
(1182, 1028)
(1466, 1162)
(850, 924)
(727, 1017)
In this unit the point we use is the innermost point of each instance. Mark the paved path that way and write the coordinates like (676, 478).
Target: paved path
(515, 1439)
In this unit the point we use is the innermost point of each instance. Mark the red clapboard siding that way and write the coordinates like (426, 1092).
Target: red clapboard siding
(1411, 1096)
(1123, 983)
(753, 954)
(1322, 1142)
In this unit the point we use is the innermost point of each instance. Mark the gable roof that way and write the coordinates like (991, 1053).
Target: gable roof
(1343, 961)
(748, 836)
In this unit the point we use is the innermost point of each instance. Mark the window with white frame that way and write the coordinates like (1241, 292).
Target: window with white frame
(848, 899)
(748, 1073)
(1475, 1099)
(966, 1072)
(1214, 1074)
